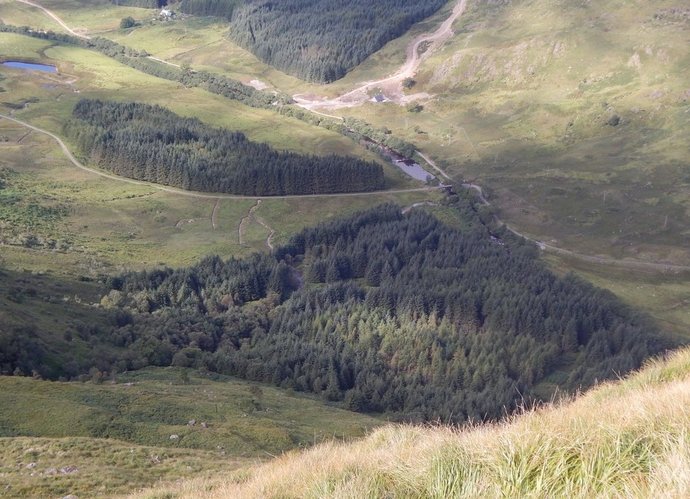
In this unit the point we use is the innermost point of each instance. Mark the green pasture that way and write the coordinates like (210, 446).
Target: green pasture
(88, 17)
(113, 225)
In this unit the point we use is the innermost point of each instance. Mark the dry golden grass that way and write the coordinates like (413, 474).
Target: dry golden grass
(625, 439)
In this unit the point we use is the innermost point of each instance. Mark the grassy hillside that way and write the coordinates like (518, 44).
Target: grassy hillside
(503, 117)
(572, 113)
(623, 439)
(118, 434)
(50, 225)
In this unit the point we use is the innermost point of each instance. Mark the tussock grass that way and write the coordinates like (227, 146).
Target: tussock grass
(624, 439)
(86, 467)
(145, 407)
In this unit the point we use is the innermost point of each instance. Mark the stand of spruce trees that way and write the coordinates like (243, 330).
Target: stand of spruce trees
(382, 311)
(389, 313)
(321, 40)
(316, 40)
(145, 4)
(153, 144)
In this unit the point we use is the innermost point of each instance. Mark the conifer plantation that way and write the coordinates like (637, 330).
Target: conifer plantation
(316, 40)
(150, 143)
(217, 8)
(321, 40)
(381, 311)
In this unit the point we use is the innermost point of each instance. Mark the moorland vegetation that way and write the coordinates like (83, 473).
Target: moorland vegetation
(622, 439)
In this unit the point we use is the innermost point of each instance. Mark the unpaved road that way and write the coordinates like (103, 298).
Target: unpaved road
(632, 264)
(433, 165)
(350, 99)
(55, 18)
(200, 195)
(391, 83)
(164, 61)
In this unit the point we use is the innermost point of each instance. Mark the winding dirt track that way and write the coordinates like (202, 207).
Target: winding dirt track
(58, 20)
(359, 95)
(200, 195)
(251, 215)
(271, 231)
(245, 220)
(55, 18)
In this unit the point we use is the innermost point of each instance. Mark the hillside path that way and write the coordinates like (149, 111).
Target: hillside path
(55, 18)
(252, 214)
(433, 165)
(629, 264)
(214, 214)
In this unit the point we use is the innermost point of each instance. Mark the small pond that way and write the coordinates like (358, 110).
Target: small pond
(30, 66)
(414, 170)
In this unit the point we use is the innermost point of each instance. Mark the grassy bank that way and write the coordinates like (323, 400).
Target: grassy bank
(623, 439)
(110, 438)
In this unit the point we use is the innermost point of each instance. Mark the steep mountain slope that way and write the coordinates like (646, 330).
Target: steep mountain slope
(623, 439)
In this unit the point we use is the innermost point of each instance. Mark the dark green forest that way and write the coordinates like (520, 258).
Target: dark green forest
(146, 4)
(382, 312)
(316, 40)
(216, 8)
(321, 40)
(153, 144)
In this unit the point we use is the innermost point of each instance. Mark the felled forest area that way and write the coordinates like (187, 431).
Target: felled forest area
(321, 40)
(381, 311)
(153, 144)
